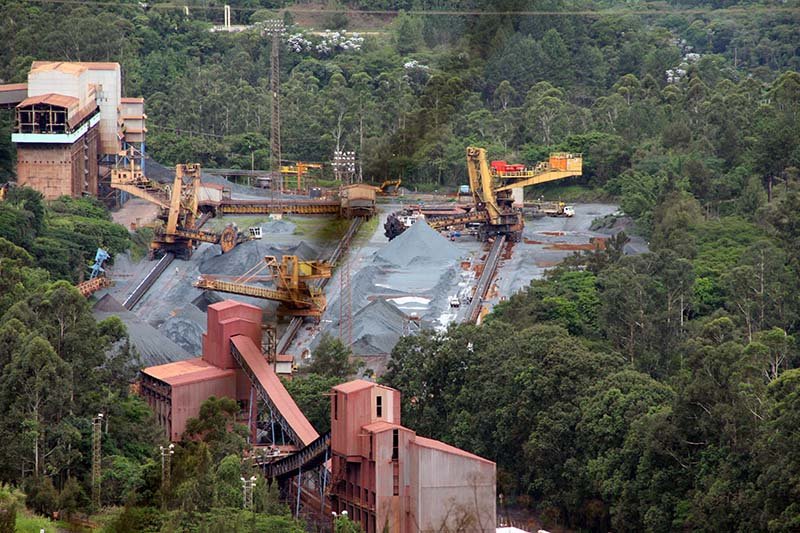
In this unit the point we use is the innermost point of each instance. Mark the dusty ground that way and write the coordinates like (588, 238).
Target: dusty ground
(175, 307)
(136, 211)
(387, 299)
(546, 242)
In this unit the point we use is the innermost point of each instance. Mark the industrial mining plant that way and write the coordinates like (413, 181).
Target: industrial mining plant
(247, 270)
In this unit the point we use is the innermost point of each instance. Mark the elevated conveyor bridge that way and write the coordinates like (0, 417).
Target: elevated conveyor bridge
(314, 450)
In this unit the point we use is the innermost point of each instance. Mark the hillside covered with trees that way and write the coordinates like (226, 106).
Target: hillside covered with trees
(657, 392)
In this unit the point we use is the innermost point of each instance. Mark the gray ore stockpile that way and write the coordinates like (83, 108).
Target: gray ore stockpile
(419, 262)
(419, 243)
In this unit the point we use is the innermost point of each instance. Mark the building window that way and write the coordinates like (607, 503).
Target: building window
(379, 406)
(336, 406)
(395, 463)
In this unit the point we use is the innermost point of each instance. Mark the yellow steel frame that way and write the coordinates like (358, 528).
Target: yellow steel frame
(320, 208)
(291, 276)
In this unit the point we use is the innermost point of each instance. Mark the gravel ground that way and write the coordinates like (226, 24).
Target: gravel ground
(396, 287)
(546, 242)
(176, 309)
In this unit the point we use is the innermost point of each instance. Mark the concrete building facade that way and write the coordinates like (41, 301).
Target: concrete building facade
(388, 478)
(71, 125)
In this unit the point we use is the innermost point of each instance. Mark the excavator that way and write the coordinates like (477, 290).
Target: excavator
(390, 187)
(180, 230)
(291, 276)
(492, 186)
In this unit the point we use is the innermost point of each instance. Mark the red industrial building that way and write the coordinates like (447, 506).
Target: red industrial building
(384, 475)
(388, 478)
(175, 391)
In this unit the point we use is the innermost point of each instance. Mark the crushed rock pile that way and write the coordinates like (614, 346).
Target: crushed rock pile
(278, 226)
(153, 346)
(419, 243)
(185, 328)
(377, 328)
(245, 256)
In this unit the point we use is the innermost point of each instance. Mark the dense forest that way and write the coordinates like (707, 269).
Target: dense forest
(655, 392)
(654, 93)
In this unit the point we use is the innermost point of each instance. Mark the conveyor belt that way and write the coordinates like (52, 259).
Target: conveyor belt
(489, 269)
(272, 392)
(309, 457)
(286, 207)
(141, 289)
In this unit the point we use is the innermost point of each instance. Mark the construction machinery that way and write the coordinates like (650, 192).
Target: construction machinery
(179, 231)
(97, 279)
(540, 208)
(391, 187)
(298, 170)
(291, 277)
(495, 189)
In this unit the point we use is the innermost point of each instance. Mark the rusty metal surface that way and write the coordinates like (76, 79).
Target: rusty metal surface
(272, 391)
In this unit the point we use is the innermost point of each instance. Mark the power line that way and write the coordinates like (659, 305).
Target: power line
(220, 136)
(645, 11)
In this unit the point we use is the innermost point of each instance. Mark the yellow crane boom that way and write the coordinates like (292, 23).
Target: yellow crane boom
(292, 289)
(179, 205)
(491, 186)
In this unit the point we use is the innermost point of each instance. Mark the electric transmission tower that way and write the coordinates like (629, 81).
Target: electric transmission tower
(97, 435)
(275, 28)
(345, 304)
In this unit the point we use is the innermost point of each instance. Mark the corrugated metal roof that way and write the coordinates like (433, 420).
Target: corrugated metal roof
(59, 100)
(381, 426)
(13, 87)
(442, 447)
(185, 372)
(12, 93)
(272, 384)
(76, 118)
(72, 67)
(353, 386)
(284, 358)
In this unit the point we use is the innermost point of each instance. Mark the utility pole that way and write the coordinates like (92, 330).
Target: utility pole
(247, 492)
(275, 28)
(166, 459)
(97, 435)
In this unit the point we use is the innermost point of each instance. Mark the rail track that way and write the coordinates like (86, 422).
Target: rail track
(489, 270)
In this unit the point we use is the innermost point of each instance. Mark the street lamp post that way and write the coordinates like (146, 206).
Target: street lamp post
(97, 432)
(166, 459)
(247, 492)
